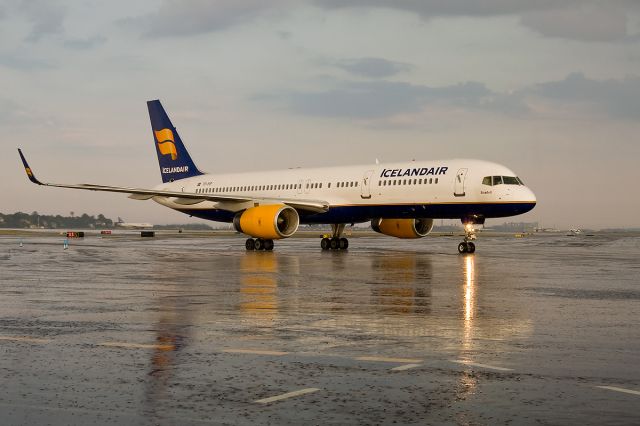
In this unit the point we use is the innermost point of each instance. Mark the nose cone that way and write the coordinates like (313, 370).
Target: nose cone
(529, 196)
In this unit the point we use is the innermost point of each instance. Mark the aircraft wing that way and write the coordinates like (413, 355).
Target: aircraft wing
(185, 198)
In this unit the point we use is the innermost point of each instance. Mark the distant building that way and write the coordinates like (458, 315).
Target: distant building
(515, 227)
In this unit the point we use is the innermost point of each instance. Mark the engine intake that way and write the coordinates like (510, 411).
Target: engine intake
(272, 222)
(403, 228)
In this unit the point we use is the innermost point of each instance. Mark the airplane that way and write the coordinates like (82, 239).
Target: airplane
(130, 225)
(399, 199)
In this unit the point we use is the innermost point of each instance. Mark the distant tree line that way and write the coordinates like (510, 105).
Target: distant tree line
(36, 220)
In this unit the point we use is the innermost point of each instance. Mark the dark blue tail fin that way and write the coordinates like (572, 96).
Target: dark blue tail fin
(175, 161)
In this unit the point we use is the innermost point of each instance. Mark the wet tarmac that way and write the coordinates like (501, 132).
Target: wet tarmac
(537, 330)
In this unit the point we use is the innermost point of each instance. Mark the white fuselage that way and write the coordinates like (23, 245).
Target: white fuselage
(438, 189)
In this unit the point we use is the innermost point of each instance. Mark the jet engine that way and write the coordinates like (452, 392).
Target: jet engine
(403, 228)
(270, 222)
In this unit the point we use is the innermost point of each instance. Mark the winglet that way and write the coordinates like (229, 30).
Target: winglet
(27, 169)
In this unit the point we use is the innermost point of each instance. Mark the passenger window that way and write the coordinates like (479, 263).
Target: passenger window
(436, 180)
(430, 181)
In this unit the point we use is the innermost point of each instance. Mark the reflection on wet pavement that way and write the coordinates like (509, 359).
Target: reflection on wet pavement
(195, 330)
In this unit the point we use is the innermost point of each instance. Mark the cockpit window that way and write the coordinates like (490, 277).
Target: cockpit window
(499, 180)
(510, 180)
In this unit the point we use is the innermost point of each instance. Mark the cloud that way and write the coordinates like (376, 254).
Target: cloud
(85, 43)
(21, 61)
(373, 67)
(381, 99)
(46, 18)
(584, 20)
(586, 23)
(435, 8)
(378, 99)
(12, 113)
(618, 98)
(176, 18)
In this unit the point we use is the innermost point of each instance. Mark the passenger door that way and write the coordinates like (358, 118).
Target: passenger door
(365, 187)
(458, 187)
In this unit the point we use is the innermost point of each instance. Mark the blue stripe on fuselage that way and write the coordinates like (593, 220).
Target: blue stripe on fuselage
(364, 213)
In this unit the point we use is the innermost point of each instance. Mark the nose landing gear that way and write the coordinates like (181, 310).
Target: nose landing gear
(467, 246)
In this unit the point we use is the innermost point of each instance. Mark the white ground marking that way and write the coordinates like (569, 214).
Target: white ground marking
(405, 367)
(384, 359)
(24, 339)
(617, 389)
(253, 351)
(477, 364)
(136, 345)
(286, 395)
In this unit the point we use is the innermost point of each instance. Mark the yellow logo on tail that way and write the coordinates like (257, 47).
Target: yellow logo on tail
(29, 172)
(166, 143)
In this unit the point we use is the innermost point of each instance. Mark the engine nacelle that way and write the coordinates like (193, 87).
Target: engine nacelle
(403, 228)
(271, 222)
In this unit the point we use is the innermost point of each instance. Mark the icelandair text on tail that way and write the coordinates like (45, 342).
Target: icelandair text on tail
(183, 169)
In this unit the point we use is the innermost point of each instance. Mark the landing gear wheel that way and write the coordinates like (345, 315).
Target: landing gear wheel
(334, 243)
(463, 248)
(250, 244)
(343, 243)
(471, 248)
(258, 244)
(268, 245)
(325, 244)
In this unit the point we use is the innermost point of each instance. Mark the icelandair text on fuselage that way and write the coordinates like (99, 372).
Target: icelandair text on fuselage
(182, 169)
(425, 171)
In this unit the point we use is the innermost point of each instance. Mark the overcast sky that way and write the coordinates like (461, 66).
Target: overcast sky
(551, 89)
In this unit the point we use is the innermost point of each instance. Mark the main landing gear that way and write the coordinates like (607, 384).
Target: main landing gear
(335, 242)
(258, 244)
(469, 234)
